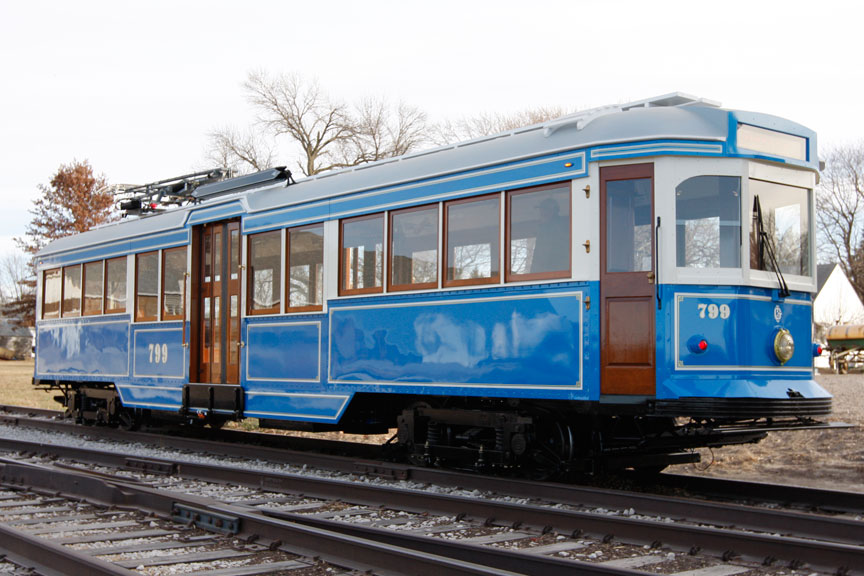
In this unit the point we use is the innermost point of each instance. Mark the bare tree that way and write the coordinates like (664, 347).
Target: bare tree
(487, 124)
(381, 130)
(239, 152)
(839, 201)
(14, 273)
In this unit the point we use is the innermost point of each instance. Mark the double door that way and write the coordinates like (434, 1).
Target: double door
(216, 303)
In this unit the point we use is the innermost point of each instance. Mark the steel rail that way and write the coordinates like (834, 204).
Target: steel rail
(332, 541)
(753, 546)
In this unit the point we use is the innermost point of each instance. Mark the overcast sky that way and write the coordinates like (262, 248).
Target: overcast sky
(135, 88)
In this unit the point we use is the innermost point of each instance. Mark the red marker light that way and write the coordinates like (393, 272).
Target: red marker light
(703, 345)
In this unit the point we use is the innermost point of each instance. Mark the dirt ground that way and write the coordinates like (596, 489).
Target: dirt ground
(819, 458)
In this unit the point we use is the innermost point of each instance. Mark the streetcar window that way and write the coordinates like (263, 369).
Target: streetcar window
(51, 294)
(115, 285)
(538, 232)
(472, 234)
(146, 286)
(628, 225)
(362, 255)
(93, 286)
(786, 219)
(306, 267)
(414, 248)
(708, 222)
(173, 278)
(265, 272)
(71, 291)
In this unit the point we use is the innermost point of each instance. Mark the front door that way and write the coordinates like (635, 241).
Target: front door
(627, 352)
(216, 290)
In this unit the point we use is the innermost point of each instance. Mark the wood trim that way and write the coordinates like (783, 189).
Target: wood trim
(553, 274)
(420, 285)
(167, 317)
(84, 289)
(44, 292)
(138, 317)
(497, 253)
(357, 291)
(105, 309)
(250, 293)
(287, 280)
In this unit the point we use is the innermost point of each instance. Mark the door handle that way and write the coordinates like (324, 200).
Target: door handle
(650, 277)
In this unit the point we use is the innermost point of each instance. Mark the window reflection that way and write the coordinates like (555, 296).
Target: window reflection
(628, 225)
(363, 254)
(539, 231)
(414, 259)
(72, 291)
(265, 271)
(786, 219)
(93, 288)
(708, 222)
(173, 270)
(306, 266)
(147, 295)
(51, 294)
(473, 231)
(115, 285)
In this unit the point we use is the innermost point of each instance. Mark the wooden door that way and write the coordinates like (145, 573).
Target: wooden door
(216, 289)
(627, 352)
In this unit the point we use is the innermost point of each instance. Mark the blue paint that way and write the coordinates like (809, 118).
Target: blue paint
(305, 407)
(158, 351)
(214, 213)
(83, 347)
(498, 345)
(134, 246)
(283, 352)
(161, 397)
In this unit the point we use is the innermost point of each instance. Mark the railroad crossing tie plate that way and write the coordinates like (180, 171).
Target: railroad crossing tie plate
(205, 519)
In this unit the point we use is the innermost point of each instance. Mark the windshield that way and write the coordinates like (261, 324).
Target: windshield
(786, 220)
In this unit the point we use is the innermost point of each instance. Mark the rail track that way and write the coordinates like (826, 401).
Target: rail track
(506, 527)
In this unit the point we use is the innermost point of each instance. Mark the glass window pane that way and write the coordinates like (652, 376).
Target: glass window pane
(72, 291)
(362, 253)
(115, 285)
(473, 232)
(540, 232)
(708, 222)
(628, 225)
(173, 272)
(234, 262)
(93, 288)
(265, 271)
(51, 294)
(306, 266)
(147, 281)
(414, 258)
(786, 219)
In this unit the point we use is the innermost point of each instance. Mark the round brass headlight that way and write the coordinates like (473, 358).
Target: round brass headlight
(784, 345)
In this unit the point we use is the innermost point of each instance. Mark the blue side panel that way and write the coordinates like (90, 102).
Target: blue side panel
(158, 351)
(283, 351)
(83, 349)
(300, 406)
(738, 326)
(154, 396)
(520, 343)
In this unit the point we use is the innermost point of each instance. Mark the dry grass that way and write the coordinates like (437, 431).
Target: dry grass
(16, 386)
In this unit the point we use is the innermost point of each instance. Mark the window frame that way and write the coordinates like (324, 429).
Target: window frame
(287, 275)
(140, 318)
(169, 317)
(105, 309)
(250, 277)
(391, 287)
(63, 313)
(341, 276)
(496, 279)
(553, 274)
(84, 289)
(45, 273)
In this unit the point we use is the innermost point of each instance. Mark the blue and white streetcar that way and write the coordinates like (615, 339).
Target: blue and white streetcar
(610, 289)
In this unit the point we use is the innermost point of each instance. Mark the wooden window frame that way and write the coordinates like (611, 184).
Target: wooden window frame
(44, 292)
(554, 274)
(391, 287)
(496, 279)
(250, 278)
(84, 289)
(63, 292)
(105, 309)
(359, 291)
(287, 279)
(182, 315)
(135, 304)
